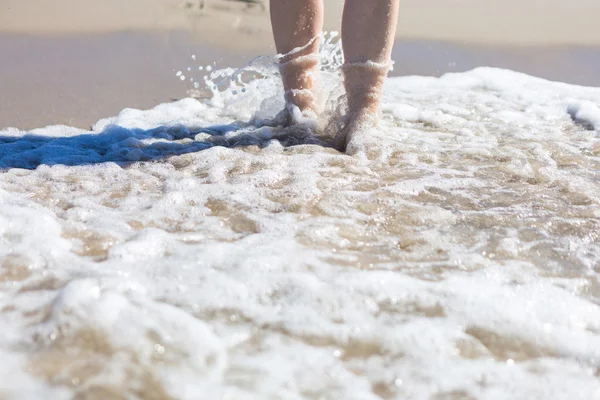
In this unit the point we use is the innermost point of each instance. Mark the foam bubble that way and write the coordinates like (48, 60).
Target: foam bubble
(184, 250)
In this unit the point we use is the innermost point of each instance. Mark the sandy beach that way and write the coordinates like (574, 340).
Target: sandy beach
(182, 253)
(153, 246)
(73, 62)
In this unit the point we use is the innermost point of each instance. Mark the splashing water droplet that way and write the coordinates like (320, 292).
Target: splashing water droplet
(225, 84)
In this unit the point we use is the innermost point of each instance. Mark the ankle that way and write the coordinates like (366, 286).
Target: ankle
(303, 99)
(364, 83)
(297, 76)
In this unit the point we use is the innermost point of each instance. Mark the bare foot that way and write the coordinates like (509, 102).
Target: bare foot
(363, 82)
(351, 127)
(298, 77)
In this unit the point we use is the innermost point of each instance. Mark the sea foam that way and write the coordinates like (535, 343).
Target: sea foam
(182, 252)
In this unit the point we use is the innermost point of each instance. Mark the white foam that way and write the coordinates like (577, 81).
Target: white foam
(586, 113)
(455, 254)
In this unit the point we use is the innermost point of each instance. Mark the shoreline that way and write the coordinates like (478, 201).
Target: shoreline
(87, 77)
(74, 62)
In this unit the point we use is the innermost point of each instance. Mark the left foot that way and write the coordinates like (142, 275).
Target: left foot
(298, 76)
(290, 116)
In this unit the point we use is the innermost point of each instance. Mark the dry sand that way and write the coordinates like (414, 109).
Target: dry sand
(514, 22)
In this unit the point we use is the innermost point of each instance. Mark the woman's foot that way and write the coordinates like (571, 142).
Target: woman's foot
(364, 84)
(298, 77)
(350, 127)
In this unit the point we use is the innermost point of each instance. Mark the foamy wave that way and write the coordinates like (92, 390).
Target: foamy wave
(182, 252)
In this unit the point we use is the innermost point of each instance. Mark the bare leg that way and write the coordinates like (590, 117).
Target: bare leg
(297, 23)
(368, 30)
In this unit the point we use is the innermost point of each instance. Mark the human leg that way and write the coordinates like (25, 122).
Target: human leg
(297, 24)
(368, 30)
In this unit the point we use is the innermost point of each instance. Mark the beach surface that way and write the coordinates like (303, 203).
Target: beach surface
(157, 246)
(182, 250)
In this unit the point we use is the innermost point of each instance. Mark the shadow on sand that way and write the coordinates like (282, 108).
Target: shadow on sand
(125, 146)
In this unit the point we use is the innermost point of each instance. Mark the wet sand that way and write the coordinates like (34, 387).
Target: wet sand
(77, 79)
(572, 64)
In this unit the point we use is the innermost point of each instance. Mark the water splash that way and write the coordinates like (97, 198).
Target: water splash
(217, 85)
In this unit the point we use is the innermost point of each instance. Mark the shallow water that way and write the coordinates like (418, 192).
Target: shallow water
(180, 253)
